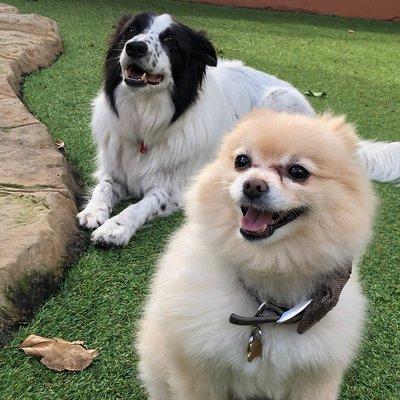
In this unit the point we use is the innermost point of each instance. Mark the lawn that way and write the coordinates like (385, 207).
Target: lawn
(102, 296)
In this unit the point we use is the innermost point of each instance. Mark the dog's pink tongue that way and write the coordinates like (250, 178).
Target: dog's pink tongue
(255, 220)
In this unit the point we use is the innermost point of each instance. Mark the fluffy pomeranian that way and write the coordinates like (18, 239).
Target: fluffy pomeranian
(285, 205)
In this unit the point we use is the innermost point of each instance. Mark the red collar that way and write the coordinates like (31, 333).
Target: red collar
(142, 147)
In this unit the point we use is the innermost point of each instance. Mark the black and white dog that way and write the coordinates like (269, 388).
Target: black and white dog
(165, 104)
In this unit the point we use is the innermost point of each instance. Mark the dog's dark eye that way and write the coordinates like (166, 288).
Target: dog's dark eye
(169, 40)
(131, 31)
(242, 161)
(298, 173)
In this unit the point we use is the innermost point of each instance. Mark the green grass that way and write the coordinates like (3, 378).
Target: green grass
(101, 298)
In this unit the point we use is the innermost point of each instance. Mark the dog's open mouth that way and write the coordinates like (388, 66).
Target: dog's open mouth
(259, 224)
(136, 76)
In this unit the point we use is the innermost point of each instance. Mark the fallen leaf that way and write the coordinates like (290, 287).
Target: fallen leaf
(59, 354)
(350, 31)
(59, 143)
(314, 94)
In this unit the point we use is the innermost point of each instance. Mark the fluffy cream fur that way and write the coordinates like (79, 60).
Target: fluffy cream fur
(188, 350)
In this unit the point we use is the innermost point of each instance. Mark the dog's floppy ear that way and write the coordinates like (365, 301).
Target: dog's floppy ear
(204, 49)
(122, 22)
(112, 69)
(118, 28)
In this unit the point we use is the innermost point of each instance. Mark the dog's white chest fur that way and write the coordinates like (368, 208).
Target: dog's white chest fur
(119, 138)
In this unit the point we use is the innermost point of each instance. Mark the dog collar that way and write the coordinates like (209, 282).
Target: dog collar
(267, 312)
(143, 148)
(306, 313)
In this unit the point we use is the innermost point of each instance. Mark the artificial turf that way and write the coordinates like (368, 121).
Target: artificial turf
(102, 296)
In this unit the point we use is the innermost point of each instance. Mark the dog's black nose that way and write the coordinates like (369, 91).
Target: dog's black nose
(136, 49)
(254, 188)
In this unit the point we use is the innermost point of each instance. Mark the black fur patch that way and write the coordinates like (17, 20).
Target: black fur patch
(127, 27)
(189, 53)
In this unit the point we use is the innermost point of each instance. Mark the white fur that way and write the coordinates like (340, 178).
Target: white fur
(382, 160)
(188, 350)
(157, 60)
(193, 294)
(176, 151)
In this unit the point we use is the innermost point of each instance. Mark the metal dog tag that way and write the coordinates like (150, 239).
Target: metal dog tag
(254, 348)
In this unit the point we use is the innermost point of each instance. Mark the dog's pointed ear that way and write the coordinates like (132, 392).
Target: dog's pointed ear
(341, 128)
(204, 49)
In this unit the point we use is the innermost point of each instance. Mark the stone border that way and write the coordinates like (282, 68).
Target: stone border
(38, 191)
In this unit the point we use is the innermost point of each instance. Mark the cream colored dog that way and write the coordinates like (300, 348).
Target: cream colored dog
(285, 204)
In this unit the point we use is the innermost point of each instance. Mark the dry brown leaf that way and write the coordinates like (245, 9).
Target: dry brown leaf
(59, 354)
(59, 143)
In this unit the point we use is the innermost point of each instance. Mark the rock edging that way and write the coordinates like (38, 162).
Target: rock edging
(37, 185)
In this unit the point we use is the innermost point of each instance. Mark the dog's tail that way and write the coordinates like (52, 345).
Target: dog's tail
(382, 160)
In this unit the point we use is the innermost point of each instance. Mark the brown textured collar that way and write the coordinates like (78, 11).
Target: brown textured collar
(325, 297)
(307, 313)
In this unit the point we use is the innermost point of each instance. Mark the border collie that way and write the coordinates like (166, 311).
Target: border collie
(164, 106)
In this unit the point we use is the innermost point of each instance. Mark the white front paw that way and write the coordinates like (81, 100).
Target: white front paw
(92, 217)
(112, 234)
